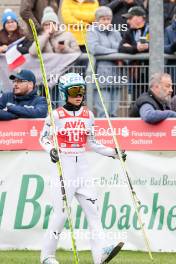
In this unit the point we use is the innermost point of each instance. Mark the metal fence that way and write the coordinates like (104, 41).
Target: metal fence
(128, 81)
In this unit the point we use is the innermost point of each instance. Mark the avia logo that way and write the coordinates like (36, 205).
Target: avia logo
(75, 124)
(125, 132)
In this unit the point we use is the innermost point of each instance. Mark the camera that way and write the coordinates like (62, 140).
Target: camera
(61, 42)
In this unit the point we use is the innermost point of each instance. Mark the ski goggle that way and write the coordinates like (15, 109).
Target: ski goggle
(74, 91)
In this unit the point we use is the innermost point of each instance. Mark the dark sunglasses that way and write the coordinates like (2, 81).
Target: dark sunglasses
(74, 91)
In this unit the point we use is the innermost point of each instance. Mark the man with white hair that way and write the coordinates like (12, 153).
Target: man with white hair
(154, 106)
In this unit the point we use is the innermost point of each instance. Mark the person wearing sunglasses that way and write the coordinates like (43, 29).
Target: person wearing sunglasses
(75, 129)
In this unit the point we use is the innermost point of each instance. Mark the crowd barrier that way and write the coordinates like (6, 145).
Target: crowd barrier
(133, 134)
(128, 80)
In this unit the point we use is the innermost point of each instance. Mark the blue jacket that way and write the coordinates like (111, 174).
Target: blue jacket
(27, 106)
(170, 38)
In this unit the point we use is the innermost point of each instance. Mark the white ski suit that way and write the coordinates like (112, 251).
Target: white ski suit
(75, 131)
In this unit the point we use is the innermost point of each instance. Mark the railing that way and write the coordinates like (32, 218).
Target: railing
(117, 95)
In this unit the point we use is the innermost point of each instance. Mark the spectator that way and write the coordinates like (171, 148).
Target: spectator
(103, 42)
(136, 40)
(34, 10)
(132, 42)
(120, 7)
(169, 6)
(170, 37)
(23, 102)
(77, 15)
(154, 106)
(11, 32)
(170, 47)
(52, 39)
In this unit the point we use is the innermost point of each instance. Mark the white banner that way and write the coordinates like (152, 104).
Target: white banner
(25, 204)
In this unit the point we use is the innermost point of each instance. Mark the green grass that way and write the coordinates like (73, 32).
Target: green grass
(65, 257)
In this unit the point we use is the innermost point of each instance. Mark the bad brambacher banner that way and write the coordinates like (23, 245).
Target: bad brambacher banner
(25, 201)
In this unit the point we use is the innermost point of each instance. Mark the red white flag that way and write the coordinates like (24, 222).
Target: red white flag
(13, 57)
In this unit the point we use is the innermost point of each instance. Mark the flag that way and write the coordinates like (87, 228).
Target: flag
(13, 57)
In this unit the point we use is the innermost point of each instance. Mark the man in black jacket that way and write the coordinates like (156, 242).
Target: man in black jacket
(154, 106)
(23, 102)
(120, 7)
(136, 40)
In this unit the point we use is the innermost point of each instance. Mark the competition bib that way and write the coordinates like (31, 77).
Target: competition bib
(74, 129)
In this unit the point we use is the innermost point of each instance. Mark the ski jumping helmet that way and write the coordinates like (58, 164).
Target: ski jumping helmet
(69, 80)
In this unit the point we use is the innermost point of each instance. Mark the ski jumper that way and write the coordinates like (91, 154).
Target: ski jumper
(74, 132)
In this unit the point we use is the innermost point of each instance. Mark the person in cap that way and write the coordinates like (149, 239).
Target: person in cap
(75, 129)
(52, 38)
(23, 102)
(103, 39)
(136, 40)
(11, 30)
(120, 7)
